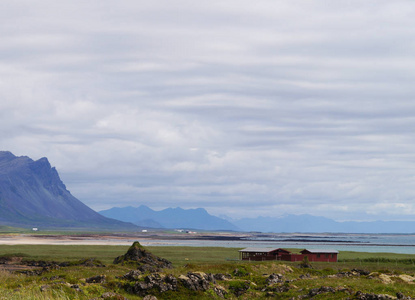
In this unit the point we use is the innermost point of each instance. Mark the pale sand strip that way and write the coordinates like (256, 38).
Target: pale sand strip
(33, 240)
(76, 240)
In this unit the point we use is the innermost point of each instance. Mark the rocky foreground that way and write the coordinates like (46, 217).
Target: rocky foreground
(150, 277)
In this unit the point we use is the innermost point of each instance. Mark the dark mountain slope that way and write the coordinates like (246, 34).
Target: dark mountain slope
(32, 194)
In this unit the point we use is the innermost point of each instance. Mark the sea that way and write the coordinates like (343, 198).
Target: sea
(381, 243)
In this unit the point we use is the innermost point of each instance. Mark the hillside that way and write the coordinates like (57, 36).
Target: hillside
(32, 194)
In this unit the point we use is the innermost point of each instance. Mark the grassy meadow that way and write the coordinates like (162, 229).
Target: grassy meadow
(59, 283)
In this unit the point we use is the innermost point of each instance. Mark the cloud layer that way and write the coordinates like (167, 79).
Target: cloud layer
(243, 108)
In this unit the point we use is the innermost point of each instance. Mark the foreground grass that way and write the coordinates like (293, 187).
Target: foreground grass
(60, 281)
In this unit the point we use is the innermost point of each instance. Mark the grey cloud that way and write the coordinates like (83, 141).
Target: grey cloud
(272, 108)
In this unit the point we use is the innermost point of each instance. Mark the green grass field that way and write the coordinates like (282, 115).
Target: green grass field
(205, 259)
(181, 255)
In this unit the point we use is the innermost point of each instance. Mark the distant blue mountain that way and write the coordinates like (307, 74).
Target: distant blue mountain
(202, 220)
(313, 224)
(169, 218)
(288, 223)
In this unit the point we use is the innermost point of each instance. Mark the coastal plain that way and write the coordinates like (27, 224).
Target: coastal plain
(81, 266)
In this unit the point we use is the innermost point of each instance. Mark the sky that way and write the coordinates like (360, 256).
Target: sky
(244, 108)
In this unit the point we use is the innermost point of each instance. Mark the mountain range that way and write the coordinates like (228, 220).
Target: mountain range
(33, 195)
(169, 218)
(200, 219)
(312, 224)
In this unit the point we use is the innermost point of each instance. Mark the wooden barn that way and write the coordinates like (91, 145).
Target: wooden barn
(320, 255)
(261, 254)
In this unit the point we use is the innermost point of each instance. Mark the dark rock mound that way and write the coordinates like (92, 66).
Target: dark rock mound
(145, 260)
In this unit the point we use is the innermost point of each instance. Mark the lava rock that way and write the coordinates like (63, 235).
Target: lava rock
(274, 278)
(143, 259)
(220, 276)
(162, 283)
(321, 290)
(197, 281)
(96, 279)
(363, 296)
(132, 275)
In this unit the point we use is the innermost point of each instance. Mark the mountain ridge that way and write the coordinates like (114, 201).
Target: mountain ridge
(315, 224)
(197, 218)
(304, 223)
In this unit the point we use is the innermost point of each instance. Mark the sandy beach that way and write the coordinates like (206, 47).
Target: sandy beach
(106, 239)
(62, 240)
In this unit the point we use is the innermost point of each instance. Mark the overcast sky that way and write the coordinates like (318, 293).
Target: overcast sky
(245, 108)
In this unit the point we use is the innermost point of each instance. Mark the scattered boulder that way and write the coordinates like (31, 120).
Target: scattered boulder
(220, 276)
(274, 278)
(113, 296)
(10, 259)
(363, 296)
(96, 279)
(305, 276)
(143, 259)
(239, 287)
(76, 288)
(36, 272)
(132, 275)
(162, 283)
(197, 281)
(401, 296)
(321, 290)
(285, 269)
(386, 279)
(277, 289)
(353, 273)
(407, 278)
(52, 265)
(220, 291)
(361, 272)
(324, 290)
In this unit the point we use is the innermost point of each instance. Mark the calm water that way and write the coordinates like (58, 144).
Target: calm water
(390, 243)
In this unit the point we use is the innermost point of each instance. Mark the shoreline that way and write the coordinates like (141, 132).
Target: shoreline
(172, 239)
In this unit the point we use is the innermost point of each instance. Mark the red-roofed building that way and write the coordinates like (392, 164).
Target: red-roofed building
(320, 255)
(261, 254)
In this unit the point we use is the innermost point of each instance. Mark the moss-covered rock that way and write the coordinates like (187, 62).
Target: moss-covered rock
(143, 259)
